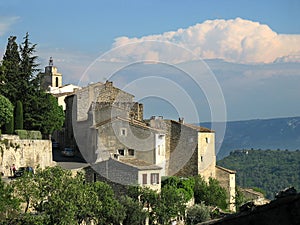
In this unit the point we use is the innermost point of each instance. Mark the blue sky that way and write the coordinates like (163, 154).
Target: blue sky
(75, 33)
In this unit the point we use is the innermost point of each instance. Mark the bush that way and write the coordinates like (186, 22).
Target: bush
(197, 214)
(29, 134)
(33, 134)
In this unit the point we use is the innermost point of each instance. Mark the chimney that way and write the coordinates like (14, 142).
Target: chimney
(181, 120)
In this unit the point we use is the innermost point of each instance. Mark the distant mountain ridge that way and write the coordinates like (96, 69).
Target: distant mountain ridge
(278, 133)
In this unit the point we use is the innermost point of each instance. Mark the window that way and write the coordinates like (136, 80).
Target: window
(201, 158)
(207, 140)
(154, 178)
(145, 178)
(131, 152)
(123, 132)
(56, 81)
(121, 152)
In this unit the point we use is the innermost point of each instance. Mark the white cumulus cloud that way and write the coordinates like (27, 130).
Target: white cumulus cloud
(236, 40)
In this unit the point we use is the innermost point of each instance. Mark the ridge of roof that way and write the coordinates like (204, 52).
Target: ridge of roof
(226, 170)
(195, 127)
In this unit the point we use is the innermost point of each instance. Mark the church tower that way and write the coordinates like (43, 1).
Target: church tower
(51, 78)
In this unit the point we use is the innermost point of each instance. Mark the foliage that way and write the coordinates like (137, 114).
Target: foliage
(19, 115)
(9, 205)
(240, 198)
(210, 193)
(20, 81)
(59, 197)
(162, 207)
(171, 205)
(269, 170)
(197, 214)
(10, 71)
(185, 185)
(29, 134)
(6, 110)
(111, 210)
(9, 126)
(134, 211)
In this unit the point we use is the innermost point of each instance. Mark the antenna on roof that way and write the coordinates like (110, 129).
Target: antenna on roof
(51, 61)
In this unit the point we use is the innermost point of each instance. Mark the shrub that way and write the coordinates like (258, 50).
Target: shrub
(29, 134)
(21, 133)
(197, 214)
(33, 134)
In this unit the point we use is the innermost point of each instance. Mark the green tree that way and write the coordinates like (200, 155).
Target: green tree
(171, 204)
(134, 211)
(9, 205)
(6, 110)
(240, 198)
(9, 126)
(210, 193)
(197, 214)
(111, 211)
(19, 116)
(10, 86)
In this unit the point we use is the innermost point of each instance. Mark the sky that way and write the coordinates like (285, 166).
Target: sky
(251, 51)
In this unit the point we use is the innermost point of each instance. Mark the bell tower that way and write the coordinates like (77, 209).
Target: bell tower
(51, 78)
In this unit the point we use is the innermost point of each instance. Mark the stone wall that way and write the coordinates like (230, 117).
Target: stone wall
(24, 153)
(227, 180)
(140, 139)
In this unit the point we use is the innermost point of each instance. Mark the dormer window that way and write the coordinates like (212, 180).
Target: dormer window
(121, 152)
(123, 132)
(131, 152)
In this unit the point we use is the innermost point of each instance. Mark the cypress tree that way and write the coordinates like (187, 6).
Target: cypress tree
(19, 116)
(10, 71)
(9, 127)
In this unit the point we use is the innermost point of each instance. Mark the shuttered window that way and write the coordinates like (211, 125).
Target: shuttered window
(154, 178)
(144, 178)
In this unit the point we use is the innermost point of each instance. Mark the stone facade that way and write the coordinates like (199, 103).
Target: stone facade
(125, 172)
(109, 124)
(32, 153)
(51, 77)
(227, 180)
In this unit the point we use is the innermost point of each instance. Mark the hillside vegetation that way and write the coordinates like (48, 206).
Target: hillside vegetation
(270, 170)
(282, 133)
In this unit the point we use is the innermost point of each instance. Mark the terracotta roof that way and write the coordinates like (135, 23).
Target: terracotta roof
(140, 164)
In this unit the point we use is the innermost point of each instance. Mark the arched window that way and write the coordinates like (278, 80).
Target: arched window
(56, 81)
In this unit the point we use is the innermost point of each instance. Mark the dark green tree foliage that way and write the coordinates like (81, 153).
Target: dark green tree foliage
(171, 205)
(9, 205)
(19, 116)
(134, 211)
(44, 113)
(6, 110)
(60, 198)
(210, 193)
(20, 81)
(184, 185)
(9, 126)
(10, 85)
(269, 170)
(240, 198)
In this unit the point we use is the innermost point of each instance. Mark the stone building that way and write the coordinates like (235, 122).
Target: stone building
(108, 128)
(50, 77)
